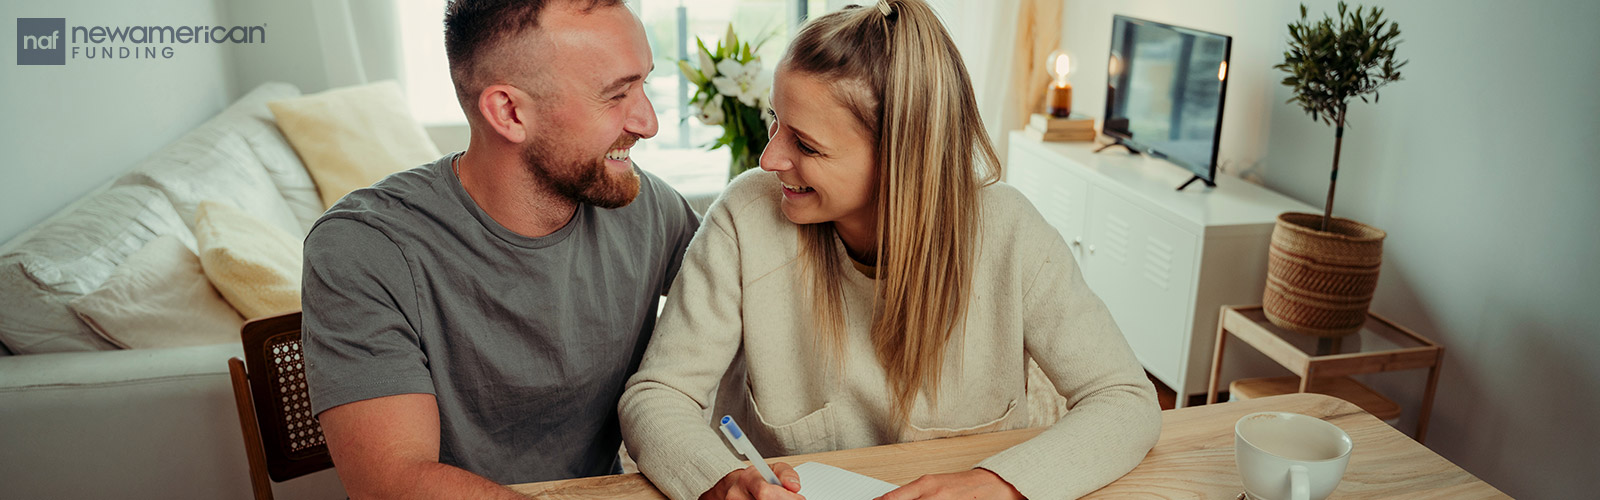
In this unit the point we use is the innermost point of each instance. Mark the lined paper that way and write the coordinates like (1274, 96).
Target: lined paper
(826, 482)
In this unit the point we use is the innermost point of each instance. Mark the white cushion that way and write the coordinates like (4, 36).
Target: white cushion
(214, 164)
(254, 265)
(71, 255)
(350, 137)
(251, 119)
(265, 149)
(159, 297)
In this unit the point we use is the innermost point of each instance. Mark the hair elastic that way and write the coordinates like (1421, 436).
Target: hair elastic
(883, 6)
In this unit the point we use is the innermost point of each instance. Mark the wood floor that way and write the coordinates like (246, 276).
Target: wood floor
(1165, 395)
(1169, 398)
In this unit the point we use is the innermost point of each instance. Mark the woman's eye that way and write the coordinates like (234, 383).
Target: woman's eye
(805, 149)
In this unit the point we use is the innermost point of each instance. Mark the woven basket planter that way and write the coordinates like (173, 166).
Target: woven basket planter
(1321, 282)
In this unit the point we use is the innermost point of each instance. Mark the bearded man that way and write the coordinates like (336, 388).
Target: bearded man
(471, 322)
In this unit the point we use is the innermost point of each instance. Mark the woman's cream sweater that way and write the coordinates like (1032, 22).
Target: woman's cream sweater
(736, 336)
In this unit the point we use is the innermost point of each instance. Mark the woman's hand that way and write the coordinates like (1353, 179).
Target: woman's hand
(747, 484)
(975, 483)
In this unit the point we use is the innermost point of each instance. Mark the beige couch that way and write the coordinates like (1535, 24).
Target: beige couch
(82, 419)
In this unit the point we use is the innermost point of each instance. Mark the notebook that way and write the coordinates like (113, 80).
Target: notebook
(826, 482)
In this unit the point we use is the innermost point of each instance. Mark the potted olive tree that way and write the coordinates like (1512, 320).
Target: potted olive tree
(1321, 269)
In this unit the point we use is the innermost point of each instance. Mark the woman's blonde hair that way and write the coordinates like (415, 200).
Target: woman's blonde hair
(900, 75)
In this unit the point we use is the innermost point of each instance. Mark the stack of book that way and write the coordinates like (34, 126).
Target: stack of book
(1074, 128)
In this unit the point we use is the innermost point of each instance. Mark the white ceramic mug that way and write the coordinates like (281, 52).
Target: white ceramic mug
(1289, 456)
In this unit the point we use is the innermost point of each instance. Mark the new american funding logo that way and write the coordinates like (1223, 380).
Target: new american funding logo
(46, 41)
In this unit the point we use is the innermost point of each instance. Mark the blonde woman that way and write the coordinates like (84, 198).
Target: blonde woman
(874, 284)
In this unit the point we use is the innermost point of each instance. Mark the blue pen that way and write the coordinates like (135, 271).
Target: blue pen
(742, 444)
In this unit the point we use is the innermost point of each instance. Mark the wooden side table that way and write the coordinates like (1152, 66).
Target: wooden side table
(1380, 346)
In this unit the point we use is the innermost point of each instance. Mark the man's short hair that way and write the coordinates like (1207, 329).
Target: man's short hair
(474, 28)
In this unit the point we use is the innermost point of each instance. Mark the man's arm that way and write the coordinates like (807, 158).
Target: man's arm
(388, 447)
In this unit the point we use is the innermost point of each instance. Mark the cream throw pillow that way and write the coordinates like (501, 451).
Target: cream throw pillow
(255, 265)
(351, 137)
(159, 297)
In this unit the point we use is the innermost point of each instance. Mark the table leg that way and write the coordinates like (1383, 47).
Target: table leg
(1216, 358)
(1427, 399)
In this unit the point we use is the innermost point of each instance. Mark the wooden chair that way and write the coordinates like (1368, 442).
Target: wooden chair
(281, 436)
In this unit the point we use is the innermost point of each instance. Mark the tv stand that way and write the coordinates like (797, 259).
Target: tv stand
(1164, 262)
(1196, 178)
(1120, 144)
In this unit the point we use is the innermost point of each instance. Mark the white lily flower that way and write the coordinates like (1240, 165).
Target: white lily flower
(710, 113)
(707, 68)
(691, 73)
(730, 68)
(760, 89)
(744, 82)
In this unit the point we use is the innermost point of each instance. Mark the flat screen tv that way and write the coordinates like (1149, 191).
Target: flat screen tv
(1164, 92)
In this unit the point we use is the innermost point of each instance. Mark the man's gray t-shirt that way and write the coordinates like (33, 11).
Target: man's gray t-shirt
(525, 343)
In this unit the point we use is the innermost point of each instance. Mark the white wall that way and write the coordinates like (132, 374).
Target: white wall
(69, 129)
(318, 48)
(1482, 166)
(295, 54)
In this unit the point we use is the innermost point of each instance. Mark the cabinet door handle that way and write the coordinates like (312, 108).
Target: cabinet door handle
(1077, 242)
(1091, 249)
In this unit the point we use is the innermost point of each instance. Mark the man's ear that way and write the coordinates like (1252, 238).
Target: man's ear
(502, 108)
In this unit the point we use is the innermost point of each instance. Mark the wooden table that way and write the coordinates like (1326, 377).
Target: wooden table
(1193, 459)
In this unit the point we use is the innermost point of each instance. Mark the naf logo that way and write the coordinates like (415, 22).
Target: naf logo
(41, 41)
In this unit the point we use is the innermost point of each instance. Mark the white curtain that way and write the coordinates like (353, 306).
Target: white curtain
(983, 31)
(360, 40)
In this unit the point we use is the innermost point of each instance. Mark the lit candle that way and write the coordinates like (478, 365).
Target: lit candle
(1060, 98)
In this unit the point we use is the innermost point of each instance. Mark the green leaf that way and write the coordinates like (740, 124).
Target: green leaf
(1337, 58)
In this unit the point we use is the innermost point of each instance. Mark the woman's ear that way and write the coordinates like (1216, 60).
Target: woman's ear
(502, 109)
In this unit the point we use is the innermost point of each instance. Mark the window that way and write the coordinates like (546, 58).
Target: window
(427, 72)
(673, 25)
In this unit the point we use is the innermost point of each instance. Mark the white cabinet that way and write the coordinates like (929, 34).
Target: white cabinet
(1143, 268)
(1061, 196)
(1163, 261)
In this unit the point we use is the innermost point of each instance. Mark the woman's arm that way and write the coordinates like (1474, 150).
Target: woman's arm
(1113, 418)
(695, 340)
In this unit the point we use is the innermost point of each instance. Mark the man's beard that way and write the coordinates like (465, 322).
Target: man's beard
(582, 180)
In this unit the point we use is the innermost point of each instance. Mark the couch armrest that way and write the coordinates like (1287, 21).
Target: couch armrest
(42, 372)
(142, 423)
